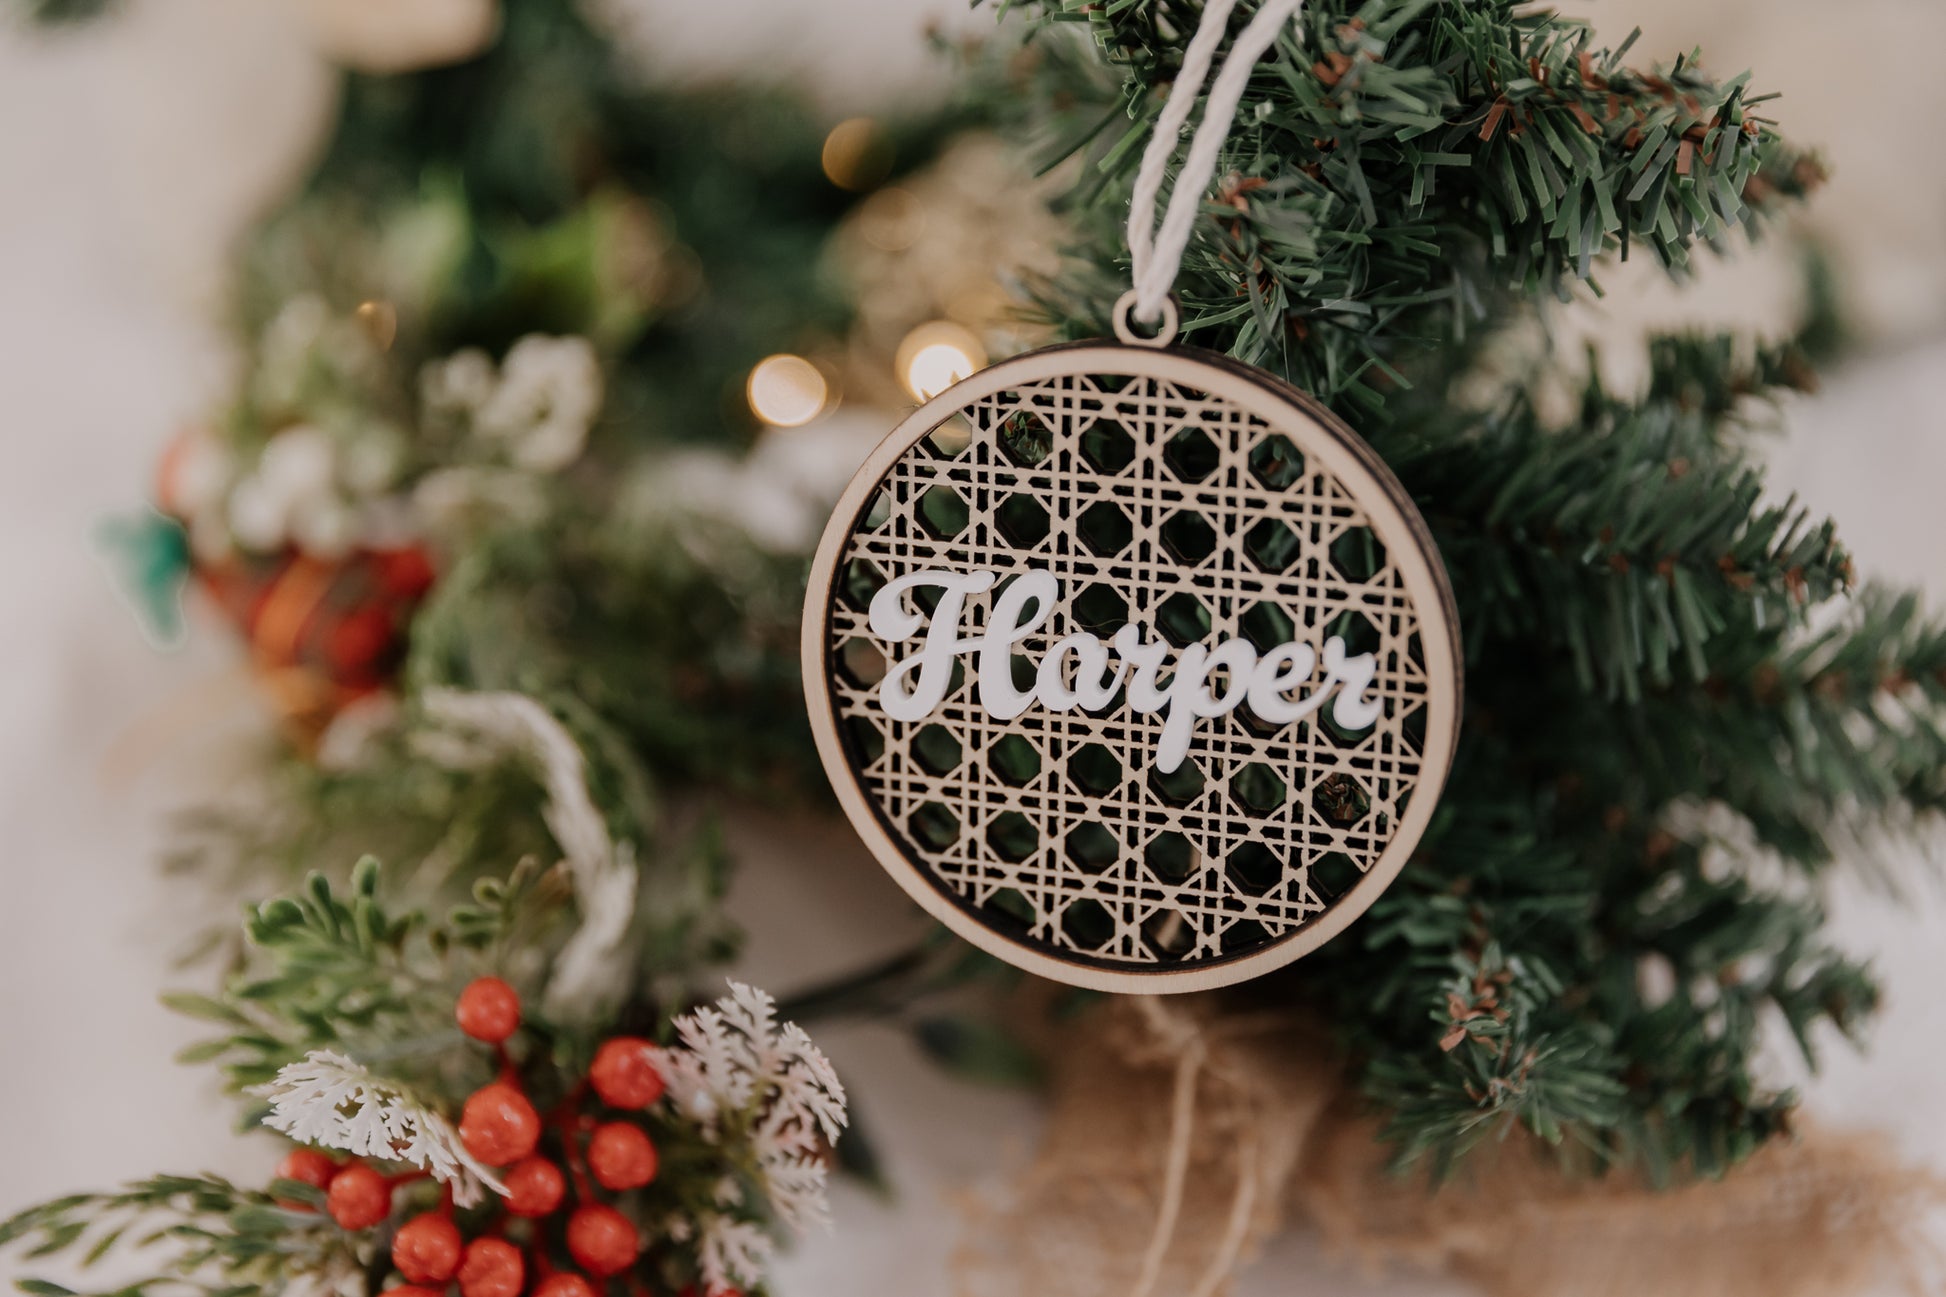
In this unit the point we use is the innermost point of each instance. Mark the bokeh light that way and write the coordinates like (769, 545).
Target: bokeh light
(892, 220)
(381, 321)
(786, 391)
(935, 356)
(857, 155)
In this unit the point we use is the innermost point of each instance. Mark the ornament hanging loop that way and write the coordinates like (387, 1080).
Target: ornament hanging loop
(1160, 335)
(1158, 231)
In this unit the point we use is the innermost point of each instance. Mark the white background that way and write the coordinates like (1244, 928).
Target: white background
(128, 158)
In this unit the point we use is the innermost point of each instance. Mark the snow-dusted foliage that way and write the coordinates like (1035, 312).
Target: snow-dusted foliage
(328, 1100)
(742, 1076)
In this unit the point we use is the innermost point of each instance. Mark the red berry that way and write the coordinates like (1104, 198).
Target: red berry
(403, 573)
(358, 1198)
(498, 1125)
(624, 1073)
(426, 1249)
(358, 646)
(534, 1187)
(488, 1010)
(307, 1166)
(602, 1241)
(621, 1156)
(491, 1268)
(564, 1285)
(412, 1290)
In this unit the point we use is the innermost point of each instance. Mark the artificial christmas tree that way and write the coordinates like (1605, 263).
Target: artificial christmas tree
(1410, 190)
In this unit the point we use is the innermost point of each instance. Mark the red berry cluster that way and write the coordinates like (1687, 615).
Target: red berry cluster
(500, 1126)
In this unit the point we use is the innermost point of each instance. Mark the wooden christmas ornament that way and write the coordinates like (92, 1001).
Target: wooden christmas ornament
(1133, 665)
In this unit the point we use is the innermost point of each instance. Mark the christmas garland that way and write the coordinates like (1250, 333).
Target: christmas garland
(463, 497)
(496, 517)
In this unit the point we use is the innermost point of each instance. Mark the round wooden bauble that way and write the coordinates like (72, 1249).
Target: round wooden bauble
(1198, 501)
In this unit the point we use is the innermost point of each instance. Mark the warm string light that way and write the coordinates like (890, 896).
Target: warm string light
(892, 220)
(787, 391)
(934, 356)
(857, 155)
(380, 321)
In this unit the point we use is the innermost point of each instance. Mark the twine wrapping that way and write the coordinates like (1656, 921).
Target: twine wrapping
(1180, 1139)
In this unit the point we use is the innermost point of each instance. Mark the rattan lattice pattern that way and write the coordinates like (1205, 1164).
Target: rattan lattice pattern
(1155, 502)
